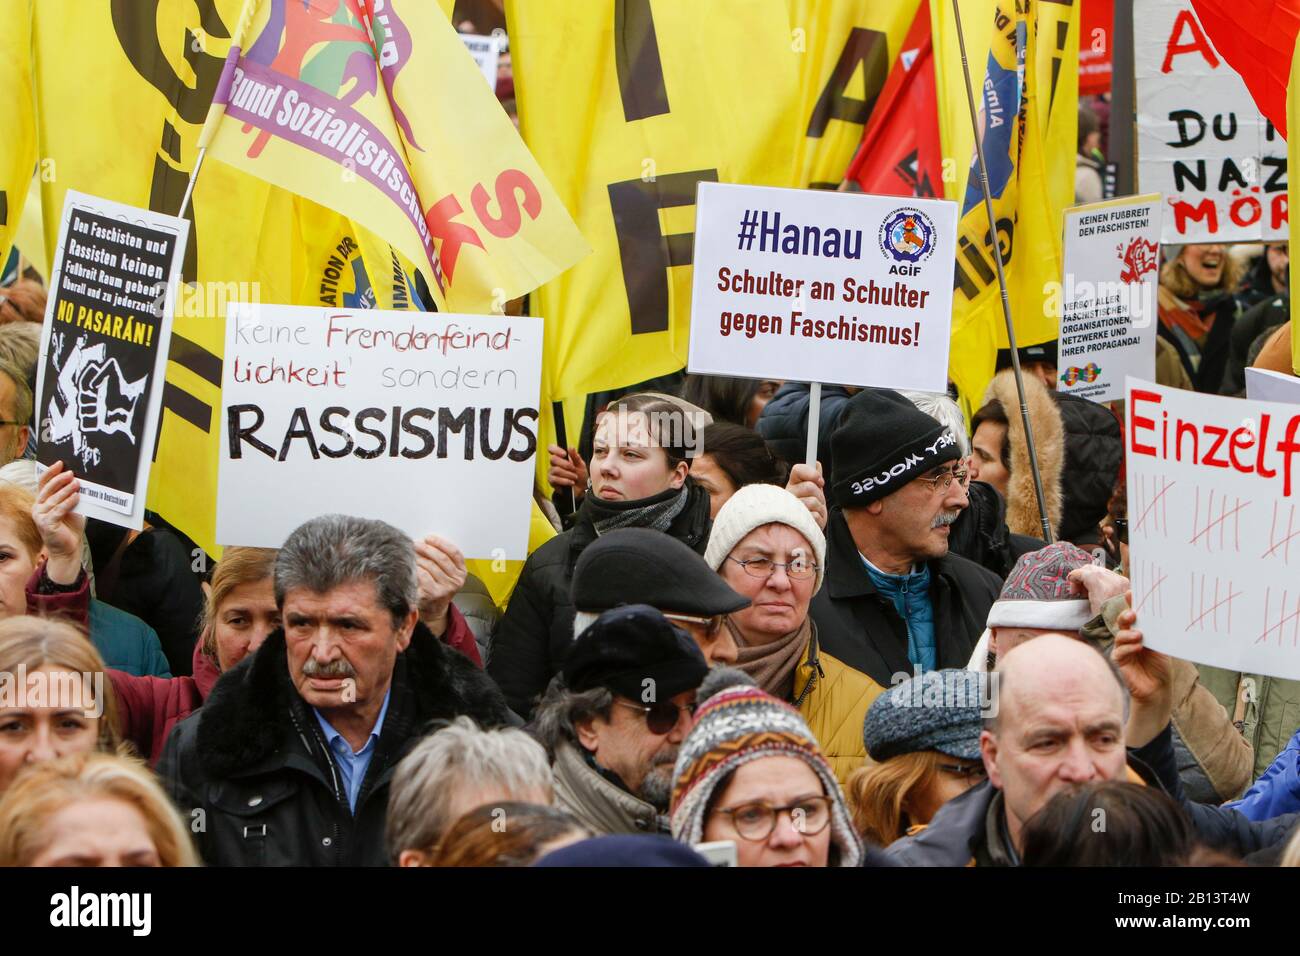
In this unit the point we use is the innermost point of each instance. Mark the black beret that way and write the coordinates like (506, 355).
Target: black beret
(643, 566)
(629, 646)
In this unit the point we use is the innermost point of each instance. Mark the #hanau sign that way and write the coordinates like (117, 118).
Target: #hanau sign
(426, 421)
(817, 286)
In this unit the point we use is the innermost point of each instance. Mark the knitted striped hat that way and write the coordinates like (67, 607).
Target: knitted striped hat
(738, 723)
(1037, 592)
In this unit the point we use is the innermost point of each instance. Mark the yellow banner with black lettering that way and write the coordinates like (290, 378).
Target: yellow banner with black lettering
(846, 50)
(130, 136)
(1029, 121)
(18, 155)
(670, 94)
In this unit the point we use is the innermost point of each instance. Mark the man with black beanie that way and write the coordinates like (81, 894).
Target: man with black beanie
(613, 719)
(895, 600)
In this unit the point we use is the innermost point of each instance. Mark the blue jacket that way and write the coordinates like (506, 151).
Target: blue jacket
(125, 642)
(1277, 791)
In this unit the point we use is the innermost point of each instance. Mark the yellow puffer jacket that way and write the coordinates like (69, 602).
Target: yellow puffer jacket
(833, 698)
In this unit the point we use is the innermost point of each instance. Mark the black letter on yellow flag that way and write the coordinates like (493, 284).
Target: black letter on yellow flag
(871, 49)
(135, 22)
(646, 253)
(636, 55)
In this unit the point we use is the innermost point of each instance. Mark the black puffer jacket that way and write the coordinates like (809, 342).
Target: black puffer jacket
(981, 535)
(253, 765)
(1260, 319)
(1094, 450)
(784, 423)
(531, 641)
(861, 628)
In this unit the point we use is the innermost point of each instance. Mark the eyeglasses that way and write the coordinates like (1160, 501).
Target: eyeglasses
(756, 821)
(711, 625)
(799, 569)
(973, 770)
(943, 481)
(661, 718)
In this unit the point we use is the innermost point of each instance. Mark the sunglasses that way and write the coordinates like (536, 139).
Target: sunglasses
(661, 718)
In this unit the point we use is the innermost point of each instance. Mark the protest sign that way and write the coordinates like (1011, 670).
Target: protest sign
(822, 287)
(1265, 385)
(486, 52)
(1108, 298)
(1213, 490)
(1202, 142)
(104, 349)
(426, 421)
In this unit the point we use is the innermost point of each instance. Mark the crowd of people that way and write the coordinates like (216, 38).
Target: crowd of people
(726, 654)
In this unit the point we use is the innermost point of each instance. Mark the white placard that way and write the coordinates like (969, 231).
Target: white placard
(1202, 142)
(486, 51)
(818, 286)
(1266, 385)
(426, 421)
(1214, 527)
(1108, 297)
(104, 348)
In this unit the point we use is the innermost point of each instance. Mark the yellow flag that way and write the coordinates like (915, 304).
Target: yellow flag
(668, 95)
(1028, 116)
(131, 136)
(846, 50)
(18, 153)
(378, 111)
(29, 236)
(501, 576)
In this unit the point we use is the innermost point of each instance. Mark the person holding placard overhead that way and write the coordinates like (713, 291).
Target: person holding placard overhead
(639, 478)
(895, 601)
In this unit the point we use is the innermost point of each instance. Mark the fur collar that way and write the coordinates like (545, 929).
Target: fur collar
(1049, 442)
(248, 721)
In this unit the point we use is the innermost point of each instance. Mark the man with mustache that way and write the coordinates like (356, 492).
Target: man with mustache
(614, 717)
(288, 762)
(895, 601)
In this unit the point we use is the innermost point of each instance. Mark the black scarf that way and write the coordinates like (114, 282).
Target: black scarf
(658, 512)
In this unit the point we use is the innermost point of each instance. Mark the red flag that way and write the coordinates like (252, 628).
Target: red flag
(1095, 20)
(1257, 39)
(900, 154)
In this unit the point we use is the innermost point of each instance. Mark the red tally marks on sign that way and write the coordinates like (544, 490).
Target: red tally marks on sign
(1257, 39)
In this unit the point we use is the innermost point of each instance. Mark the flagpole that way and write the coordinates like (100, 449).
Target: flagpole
(220, 97)
(1002, 283)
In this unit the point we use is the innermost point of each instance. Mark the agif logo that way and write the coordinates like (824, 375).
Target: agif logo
(907, 235)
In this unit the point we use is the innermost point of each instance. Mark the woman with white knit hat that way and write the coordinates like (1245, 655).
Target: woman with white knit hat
(767, 546)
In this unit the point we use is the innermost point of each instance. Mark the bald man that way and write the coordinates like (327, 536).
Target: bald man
(1064, 716)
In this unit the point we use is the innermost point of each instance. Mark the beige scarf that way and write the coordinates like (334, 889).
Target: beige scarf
(772, 665)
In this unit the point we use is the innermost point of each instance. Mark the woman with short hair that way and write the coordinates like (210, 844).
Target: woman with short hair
(452, 771)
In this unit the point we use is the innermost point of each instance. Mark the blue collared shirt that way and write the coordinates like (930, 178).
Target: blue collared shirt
(352, 765)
